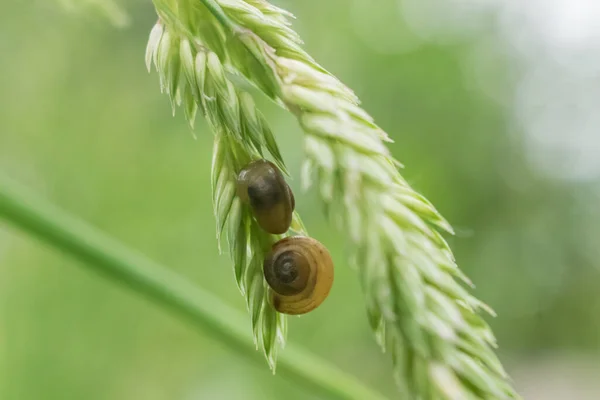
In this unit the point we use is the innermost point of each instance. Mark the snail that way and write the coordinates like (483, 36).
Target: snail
(262, 185)
(299, 270)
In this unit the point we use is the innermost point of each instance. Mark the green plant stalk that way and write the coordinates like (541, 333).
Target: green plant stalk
(165, 288)
(194, 77)
(248, 245)
(419, 311)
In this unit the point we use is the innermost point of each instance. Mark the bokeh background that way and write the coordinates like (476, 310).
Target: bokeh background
(493, 106)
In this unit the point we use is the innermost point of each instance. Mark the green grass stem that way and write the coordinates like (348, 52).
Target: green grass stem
(165, 288)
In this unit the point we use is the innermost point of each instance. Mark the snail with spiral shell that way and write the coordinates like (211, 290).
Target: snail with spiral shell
(262, 185)
(298, 269)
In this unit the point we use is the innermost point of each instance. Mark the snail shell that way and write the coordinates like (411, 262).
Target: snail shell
(299, 270)
(263, 186)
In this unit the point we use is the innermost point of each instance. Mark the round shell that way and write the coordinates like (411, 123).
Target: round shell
(299, 270)
(263, 186)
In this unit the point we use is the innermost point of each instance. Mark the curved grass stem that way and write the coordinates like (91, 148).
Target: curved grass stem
(417, 303)
(165, 288)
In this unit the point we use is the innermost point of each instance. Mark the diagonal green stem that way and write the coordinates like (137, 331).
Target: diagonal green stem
(167, 289)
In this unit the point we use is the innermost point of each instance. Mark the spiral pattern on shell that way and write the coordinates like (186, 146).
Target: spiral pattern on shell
(299, 270)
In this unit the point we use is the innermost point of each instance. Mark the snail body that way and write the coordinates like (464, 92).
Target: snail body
(299, 270)
(263, 186)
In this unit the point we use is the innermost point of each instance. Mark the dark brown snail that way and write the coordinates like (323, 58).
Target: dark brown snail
(299, 271)
(262, 185)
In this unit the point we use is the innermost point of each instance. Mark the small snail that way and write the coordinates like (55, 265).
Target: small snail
(262, 185)
(299, 271)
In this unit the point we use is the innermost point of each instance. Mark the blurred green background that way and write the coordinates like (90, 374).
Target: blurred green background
(490, 115)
